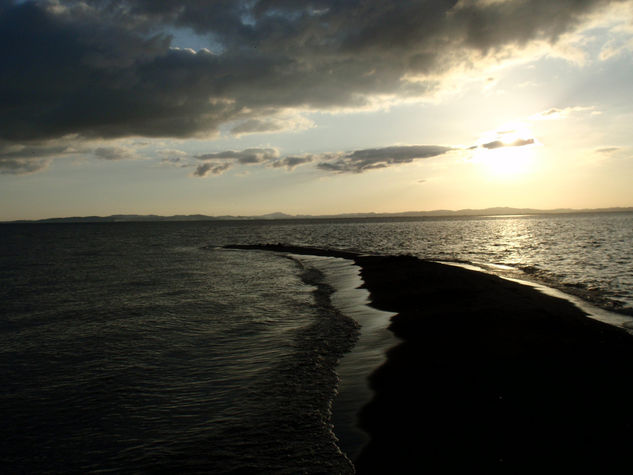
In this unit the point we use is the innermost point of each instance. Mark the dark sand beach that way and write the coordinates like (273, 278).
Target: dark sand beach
(492, 376)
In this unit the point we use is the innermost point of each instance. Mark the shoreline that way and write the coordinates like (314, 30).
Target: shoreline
(590, 309)
(490, 375)
(368, 353)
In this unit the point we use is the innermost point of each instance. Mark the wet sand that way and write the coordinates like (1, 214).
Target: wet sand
(492, 376)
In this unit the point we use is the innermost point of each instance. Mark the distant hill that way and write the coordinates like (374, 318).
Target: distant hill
(498, 211)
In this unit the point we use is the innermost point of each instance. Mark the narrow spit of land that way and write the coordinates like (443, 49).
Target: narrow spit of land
(492, 376)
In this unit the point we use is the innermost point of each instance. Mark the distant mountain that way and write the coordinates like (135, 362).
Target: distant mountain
(276, 216)
(498, 211)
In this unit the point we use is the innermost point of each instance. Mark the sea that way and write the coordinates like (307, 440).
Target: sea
(150, 348)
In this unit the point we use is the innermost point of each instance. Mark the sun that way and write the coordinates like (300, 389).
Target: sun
(508, 161)
(506, 152)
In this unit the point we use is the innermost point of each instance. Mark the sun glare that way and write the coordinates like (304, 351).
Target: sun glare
(506, 152)
(508, 161)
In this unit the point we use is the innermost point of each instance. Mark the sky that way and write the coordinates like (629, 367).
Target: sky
(248, 107)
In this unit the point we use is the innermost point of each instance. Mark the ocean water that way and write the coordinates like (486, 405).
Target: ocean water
(143, 347)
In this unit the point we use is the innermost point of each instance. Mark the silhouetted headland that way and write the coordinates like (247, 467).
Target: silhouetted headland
(491, 376)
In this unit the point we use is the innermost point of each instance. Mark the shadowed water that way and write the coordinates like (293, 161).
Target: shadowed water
(168, 358)
(129, 347)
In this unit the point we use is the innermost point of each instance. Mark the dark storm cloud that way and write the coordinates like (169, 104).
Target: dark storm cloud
(517, 143)
(368, 159)
(106, 68)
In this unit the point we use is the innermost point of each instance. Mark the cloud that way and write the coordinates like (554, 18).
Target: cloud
(272, 124)
(115, 153)
(18, 166)
(515, 143)
(171, 152)
(219, 162)
(175, 162)
(555, 113)
(248, 156)
(108, 69)
(173, 157)
(369, 159)
(607, 150)
(36, 156)
(290, 163)
(19, 159)
(356, 161)
(614, 49)
(207, 169)
(552, 113)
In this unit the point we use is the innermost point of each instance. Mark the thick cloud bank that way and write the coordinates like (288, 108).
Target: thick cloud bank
(105, 68)
(109, 68)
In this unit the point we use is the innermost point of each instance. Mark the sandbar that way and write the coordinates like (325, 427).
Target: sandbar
(491, 376)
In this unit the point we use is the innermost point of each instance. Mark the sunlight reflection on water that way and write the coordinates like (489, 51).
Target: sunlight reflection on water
(589, 255)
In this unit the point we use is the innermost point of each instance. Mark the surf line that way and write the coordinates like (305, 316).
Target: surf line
(342, 274)
(368, 353)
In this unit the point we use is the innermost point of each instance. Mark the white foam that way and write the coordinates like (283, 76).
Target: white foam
(368, 354)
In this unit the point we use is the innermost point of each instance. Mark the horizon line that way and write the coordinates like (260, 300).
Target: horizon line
(481, 212)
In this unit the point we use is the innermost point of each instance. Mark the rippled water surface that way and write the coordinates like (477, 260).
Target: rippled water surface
(590, 254)
(130, 347)
(123, 348)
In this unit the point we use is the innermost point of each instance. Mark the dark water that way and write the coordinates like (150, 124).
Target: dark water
(124, 348)
(131, 348)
